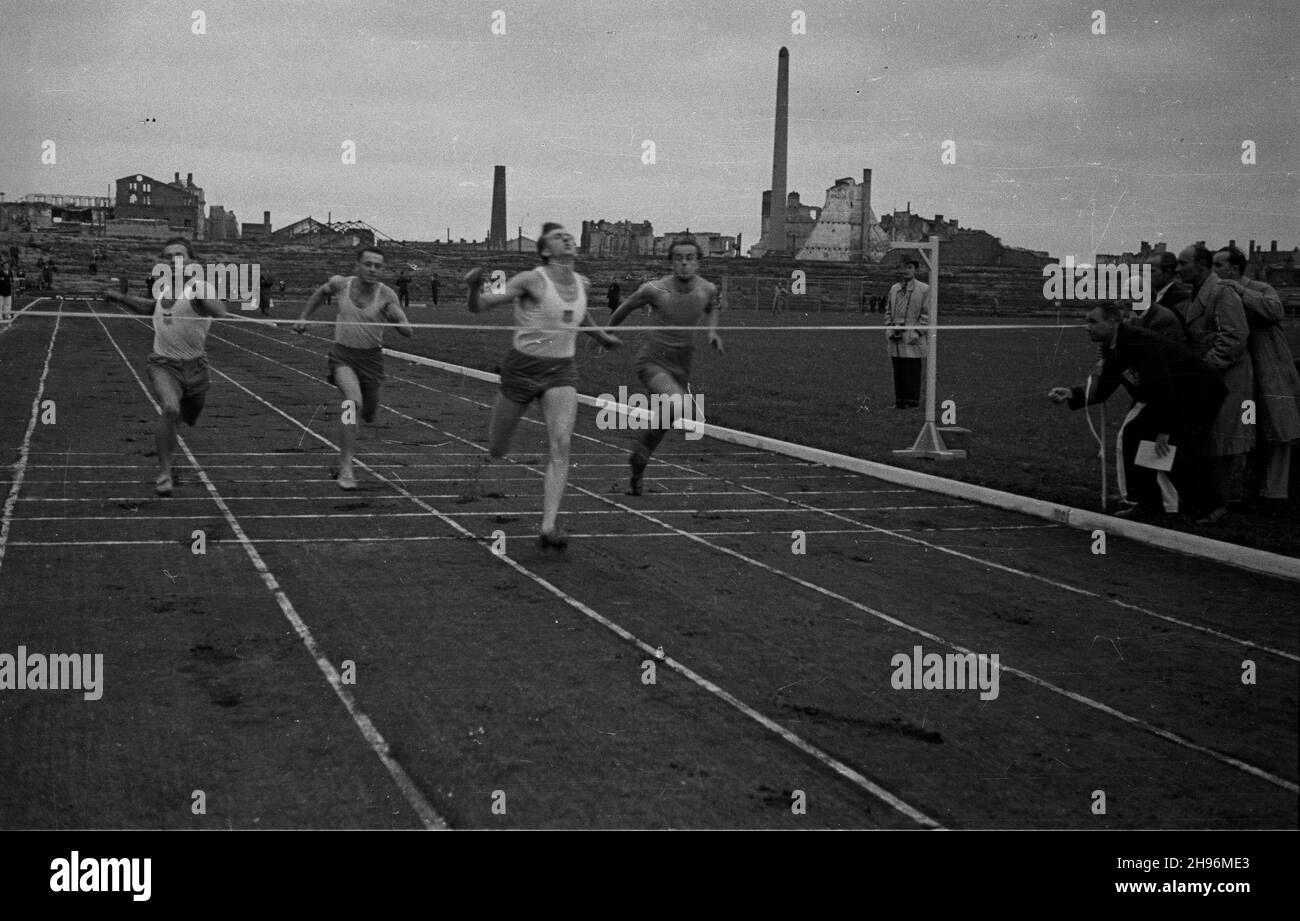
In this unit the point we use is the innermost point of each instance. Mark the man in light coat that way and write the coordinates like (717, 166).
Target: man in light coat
(1216, 325)
(1277, 385)
(907, 314)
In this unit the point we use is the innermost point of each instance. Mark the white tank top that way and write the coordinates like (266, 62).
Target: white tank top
(359, 337)
(179, 332)
(551, 325)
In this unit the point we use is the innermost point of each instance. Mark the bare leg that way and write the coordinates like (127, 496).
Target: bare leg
(560, 407)
(349, 419)
(505, 418)
(665, 384)
(168, 391)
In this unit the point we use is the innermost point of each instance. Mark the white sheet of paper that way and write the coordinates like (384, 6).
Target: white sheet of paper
(1146, 456)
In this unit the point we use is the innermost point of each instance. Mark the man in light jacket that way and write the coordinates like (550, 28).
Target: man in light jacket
(1277, 385)
(1216, 325)
(907, 314)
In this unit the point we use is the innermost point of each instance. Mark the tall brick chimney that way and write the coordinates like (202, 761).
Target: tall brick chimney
(776, 233)
(497, 231)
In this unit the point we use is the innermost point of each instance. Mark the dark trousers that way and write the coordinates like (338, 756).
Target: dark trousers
(907, 381)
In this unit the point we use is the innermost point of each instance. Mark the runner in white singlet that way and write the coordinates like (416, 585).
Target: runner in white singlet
(550, 308)
(178, 365)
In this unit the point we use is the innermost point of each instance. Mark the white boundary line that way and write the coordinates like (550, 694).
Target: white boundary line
(1272, 564)
(387, 513)
(1089, 702)
(522, 536)
(20, 466)
(798, 742)
(900, 533)
(427, 815)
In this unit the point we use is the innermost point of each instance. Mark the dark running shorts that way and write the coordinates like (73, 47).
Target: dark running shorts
(369, 367)
(653, 358)
(191, 379)
(524, 378)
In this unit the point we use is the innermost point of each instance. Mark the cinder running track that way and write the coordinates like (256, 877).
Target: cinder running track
(367, 660)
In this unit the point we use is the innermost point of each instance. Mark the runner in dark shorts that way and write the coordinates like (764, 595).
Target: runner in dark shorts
(178, 367)
(550, 305)
(368, 364)
(663, 360)
(525, 378)
(356, 359)
(188, 375)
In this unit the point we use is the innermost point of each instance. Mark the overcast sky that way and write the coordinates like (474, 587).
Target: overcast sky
(1065, 140)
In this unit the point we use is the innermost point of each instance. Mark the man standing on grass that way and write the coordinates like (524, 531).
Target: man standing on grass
(178, 365)
(6, 293)
(404, 289)
(907, 314)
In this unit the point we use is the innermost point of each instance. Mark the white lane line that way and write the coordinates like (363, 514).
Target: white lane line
(20, 466)
(1137, 722)
(428, 817)
(1160, 732)
(680, 668)
(336, 496)
(703, 512)
(951, 551)
(1089, 702)
(522, 536)
(1096, 596)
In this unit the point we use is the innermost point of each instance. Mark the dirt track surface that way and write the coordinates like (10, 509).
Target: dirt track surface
(510, 691)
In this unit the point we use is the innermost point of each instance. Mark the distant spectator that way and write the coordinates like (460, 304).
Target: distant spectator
(1216, 325)
(1180, 396)
(94, 262)
(403, 284)
(612, 296)
(281, 286)
(264, 302)
(780, 294)
(22, 279)
(1277, 385)
(6, 293)
(907, 316)
(433, 289)
(995, 305)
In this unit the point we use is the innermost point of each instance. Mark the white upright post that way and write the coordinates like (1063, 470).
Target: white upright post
(929, 443)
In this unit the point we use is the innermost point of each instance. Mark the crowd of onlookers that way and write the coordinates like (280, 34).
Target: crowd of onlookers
(1212, 377)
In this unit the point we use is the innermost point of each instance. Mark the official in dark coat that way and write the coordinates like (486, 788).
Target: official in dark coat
(1181, 397)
